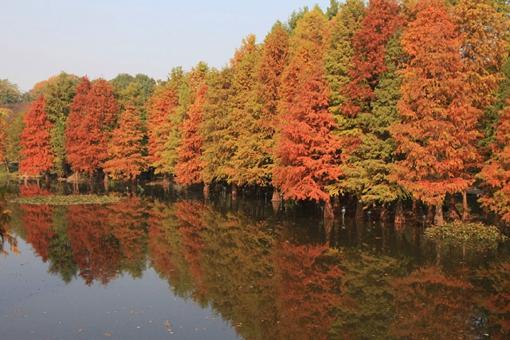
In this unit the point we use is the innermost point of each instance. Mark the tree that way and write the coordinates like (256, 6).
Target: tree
(379, 24)
(125, 158)
(189, 166)
(161, 105)
(135, 91)
(101, 115)
(36, 152)
(9, 93)
(369, 147)
(76, 133)
(435, 137)
(3, 136)
(496, 172)
(249, 139)
(58, 93)
(484, 49)
(306, 151)
(216, 152)
(339, 54)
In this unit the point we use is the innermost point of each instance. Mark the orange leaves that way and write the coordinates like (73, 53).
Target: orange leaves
(125, 158)
(189, 166)
(162, 104)
(306, 149)
(496, 172)
(437, 135)
(36, 152)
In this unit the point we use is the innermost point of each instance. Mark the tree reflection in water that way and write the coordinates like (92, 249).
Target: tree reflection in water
(273, 278)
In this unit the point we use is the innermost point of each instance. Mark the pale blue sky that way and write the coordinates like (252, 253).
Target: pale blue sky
(102, 38)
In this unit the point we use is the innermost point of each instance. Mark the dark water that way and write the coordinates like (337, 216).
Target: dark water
(148, 268)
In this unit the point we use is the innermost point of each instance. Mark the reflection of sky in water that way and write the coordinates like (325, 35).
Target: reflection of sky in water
(35, 305)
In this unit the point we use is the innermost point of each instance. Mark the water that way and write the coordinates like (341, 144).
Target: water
(151, 268)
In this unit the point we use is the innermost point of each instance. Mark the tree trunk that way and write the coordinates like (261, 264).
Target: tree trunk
(359, 211)
(234, 192)
(276, 196)
(328, 211)
(206, 191)
(399, 214)
(465, 206)
(439, 217)
(106, 182)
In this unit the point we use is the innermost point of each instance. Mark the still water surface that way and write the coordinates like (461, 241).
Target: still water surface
(153, 268)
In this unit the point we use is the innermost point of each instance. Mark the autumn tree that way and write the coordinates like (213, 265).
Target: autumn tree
(3, 136)
(496, 172)
(484, 49)
(250, 163)
(58, 93)
(340, 51)
(125, 149)
(379, 24)
(101, 115)
(216, 151)
(9, 93)
(306, 151)
(435, 137)
(77, 128)
(36, 152)
(189, 167)
(161, 105)
(133, 90)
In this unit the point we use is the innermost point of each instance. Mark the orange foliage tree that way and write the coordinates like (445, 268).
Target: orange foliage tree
(3, 136)
(161, 105)
(125, 158)
(306, 151)
(436, 134)
(496, 172)
(189, 166)
(369, 43)
(76, 127)
(36, 152)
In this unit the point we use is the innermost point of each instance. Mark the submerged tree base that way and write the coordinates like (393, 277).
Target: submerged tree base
(472, 236)
(67, 200)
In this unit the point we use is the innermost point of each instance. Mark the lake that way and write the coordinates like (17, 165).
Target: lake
(156, 266)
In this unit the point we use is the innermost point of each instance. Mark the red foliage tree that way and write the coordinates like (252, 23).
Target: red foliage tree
(125, 158)
(437, 134)
(101, 115)
(306, 150)
(36, 153)
(76, 127)
(189, 166)
(380, 23)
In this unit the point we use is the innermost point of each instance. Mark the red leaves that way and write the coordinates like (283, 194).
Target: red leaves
(92, 118)
(381, 22)
(36, 152)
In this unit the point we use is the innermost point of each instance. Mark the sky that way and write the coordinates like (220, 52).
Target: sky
(102, 38)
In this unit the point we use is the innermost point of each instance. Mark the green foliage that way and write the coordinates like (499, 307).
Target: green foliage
(340, 50)
(216, 152)
(9, 93)
(367, 170)
(472, 236)
(59, 93)
(133, 90)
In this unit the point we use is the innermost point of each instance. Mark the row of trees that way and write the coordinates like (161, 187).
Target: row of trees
(382, 102)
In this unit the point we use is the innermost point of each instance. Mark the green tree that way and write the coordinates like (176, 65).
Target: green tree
(9, 93)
